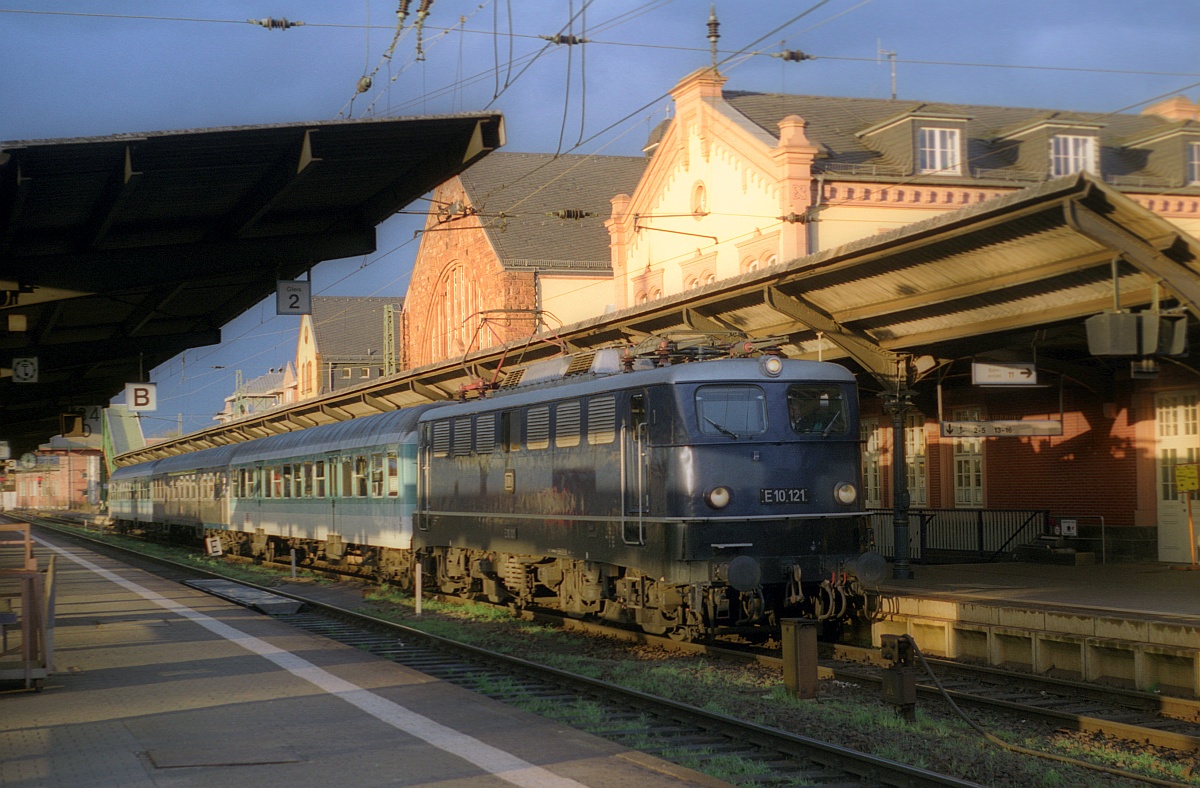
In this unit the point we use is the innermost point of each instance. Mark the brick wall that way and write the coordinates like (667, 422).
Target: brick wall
(445, 246)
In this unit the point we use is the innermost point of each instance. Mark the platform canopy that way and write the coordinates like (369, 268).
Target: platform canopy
(1011, 279)
(117, 253)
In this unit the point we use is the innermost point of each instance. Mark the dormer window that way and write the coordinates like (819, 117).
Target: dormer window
(1193, 164)
(1072, 153)
(938, 151)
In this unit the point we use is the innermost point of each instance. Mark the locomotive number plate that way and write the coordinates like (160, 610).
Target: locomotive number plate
(783, 495)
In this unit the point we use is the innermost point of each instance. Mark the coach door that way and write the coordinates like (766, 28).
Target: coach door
(1177, 430)
(635, 495)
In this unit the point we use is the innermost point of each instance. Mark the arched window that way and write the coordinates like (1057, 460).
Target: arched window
(456, 314)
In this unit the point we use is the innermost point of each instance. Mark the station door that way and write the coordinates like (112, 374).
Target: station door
(1177, 428)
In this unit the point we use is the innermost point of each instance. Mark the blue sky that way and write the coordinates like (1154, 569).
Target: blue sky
(77, 68)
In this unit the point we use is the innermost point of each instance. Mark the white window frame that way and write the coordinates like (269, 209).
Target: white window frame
(1072, 153)
(938, 151)
(968, 464)
(1193, 164)
(915, 449)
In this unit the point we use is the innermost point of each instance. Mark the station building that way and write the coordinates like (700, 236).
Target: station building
(737, 182)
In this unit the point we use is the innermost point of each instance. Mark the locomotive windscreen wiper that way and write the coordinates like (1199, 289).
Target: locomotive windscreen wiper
(721, 429)
(829, 426)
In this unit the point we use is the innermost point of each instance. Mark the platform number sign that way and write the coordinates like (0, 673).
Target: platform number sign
(25, 370)
(293, 298)
(141, 396)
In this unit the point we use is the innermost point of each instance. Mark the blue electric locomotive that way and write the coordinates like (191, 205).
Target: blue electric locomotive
(689, 498)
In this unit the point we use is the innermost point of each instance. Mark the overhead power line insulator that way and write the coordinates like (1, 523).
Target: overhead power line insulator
(793, 55)
(274, 24)
(571, 213)
(559, 38)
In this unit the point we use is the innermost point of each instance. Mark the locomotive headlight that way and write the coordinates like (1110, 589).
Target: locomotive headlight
(845, 493)
(718, 497)
(771, 366)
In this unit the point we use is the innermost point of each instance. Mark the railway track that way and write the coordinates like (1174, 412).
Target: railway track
(1169, 723)
(658, 726)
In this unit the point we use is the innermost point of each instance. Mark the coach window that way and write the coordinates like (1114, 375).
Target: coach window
(537, 428)
(287, 481)
(319, 478)
(346, 488)
(731, 411)
(814, 408)
(376, 475)
(566, 424)
(509, 427)
(276, 482)
(360, 476)
(298, 480)
(307, 475)
(393, 475)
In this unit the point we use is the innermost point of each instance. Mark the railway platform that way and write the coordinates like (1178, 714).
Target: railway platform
(158, 684)
(1135, 624)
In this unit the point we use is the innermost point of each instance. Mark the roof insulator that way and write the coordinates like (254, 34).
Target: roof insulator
(793, 55)
(714, 35)
(274, 24)
(571, 213)
(559, 38)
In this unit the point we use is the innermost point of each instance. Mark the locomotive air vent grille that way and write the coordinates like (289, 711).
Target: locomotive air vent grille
(512, 378)
(580, 363)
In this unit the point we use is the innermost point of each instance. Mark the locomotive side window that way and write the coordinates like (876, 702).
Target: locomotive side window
(537, 428)
(485, 433)
(602, 420)
(731, 411)
(566, 424)
(816, 408)
(462, 436)
(509, 436)
(441, 439)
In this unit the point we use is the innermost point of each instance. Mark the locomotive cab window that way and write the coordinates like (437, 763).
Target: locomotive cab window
(732, 411)
(817, 409)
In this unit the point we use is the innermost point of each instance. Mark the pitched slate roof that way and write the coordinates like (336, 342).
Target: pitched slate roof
(835, 123)
(350, 327)
(529, 186)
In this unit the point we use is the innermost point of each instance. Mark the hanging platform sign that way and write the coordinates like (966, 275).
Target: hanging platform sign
(1001, 429)
(293, 297)
(1018, 373)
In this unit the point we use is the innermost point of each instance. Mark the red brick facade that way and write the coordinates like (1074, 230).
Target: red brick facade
(457, 286)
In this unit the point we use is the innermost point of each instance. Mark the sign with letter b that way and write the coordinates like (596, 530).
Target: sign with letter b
(141, 396)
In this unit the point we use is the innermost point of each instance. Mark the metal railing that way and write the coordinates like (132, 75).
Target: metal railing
(960, 535)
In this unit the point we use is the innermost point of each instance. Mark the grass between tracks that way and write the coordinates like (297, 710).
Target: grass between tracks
(843, 713)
